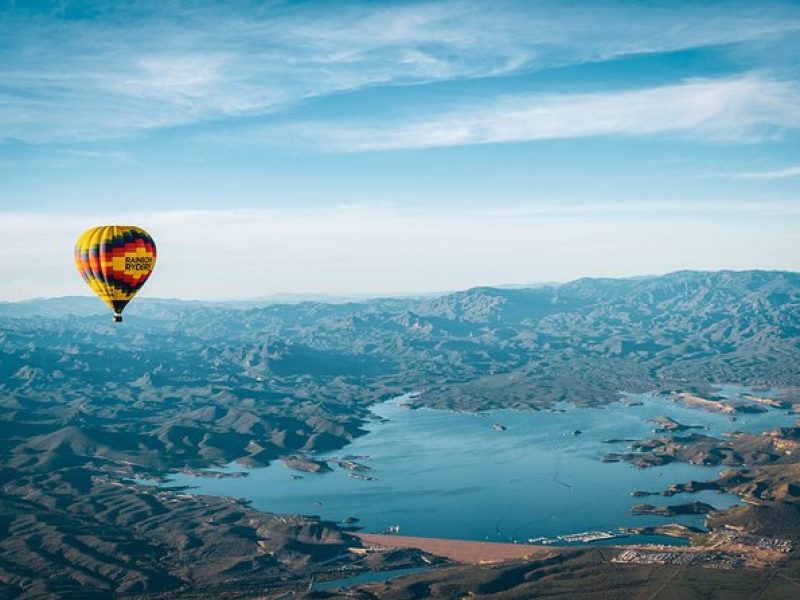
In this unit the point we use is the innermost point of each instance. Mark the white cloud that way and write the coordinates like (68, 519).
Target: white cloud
(227, 254)
(116, 156)
(743, 108)
(785, 173)
(129, 70)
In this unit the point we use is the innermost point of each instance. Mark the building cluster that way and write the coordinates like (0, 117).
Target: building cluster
(756, 541)
(715, 559)
(726, 549)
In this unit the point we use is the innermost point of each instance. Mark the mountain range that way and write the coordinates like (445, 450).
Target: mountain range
(88, 405)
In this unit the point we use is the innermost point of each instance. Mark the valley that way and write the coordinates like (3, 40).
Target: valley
(89, 408)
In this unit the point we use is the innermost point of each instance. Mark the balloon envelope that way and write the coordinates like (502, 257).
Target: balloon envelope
(115, 260)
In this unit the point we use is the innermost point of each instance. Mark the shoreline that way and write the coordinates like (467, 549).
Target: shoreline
(398, 400)
(723, 549)
(462, 551)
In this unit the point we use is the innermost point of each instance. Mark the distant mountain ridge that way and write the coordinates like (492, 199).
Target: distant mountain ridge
(588, 286)
(689, 326)
(86, 405)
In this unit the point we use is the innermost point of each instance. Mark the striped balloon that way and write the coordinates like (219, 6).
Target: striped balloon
(115, 260)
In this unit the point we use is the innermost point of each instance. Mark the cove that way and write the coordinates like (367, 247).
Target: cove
(454, 475)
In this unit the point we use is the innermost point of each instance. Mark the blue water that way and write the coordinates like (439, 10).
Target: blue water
(367, 577)
(449, 474)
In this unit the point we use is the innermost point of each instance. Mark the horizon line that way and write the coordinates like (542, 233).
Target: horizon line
(353, 297)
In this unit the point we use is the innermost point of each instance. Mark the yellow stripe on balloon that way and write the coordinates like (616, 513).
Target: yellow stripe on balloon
(115, 261)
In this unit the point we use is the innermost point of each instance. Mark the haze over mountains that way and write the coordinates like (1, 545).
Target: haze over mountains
(724, 326)
(186, 385)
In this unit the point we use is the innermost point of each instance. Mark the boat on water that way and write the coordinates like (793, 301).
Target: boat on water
(499, 427)
(542, 540)
(587, 537)
(391, 529)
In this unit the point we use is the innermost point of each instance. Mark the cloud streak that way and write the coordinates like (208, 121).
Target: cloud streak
(251, 253)
(130, 69)
(741, 109)
(784, 173)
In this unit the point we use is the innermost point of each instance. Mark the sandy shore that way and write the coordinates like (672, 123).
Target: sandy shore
(722, 551)
(464, 551)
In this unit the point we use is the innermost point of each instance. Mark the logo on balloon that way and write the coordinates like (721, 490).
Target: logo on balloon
(138, 263)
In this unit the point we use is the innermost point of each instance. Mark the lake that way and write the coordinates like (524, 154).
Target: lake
(453, 475)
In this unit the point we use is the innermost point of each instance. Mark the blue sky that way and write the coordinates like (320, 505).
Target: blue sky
(389, 147)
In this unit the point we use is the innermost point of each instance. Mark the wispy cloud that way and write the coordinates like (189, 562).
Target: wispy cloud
(663, 208)
(116, 156)
(744, 108)
(388, 250)
(784, 173)
(126, 69)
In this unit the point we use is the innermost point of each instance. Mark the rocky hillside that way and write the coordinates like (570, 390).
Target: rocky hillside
(85, 404)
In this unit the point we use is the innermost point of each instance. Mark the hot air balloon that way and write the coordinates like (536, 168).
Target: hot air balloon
(115, 260)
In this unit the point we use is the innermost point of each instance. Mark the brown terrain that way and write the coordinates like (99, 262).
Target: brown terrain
(462, 551)
(599, 573)
(88, 407)
(696, 401)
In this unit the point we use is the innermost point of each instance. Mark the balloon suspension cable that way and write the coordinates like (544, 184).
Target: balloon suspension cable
(117, 318)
